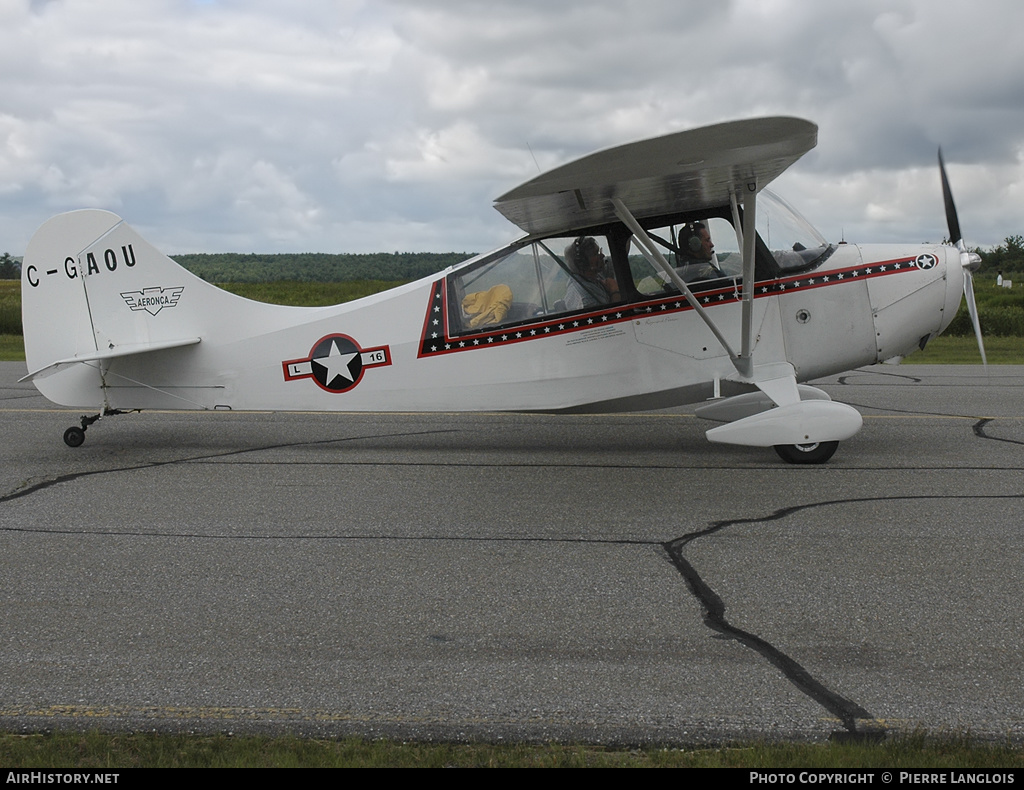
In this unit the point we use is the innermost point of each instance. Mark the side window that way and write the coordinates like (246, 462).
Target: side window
(530, 283)
(704, 249)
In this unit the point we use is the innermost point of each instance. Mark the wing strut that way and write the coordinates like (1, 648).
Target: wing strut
(743, 361)
(746, 365)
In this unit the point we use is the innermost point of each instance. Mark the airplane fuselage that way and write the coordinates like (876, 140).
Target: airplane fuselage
(398, 351)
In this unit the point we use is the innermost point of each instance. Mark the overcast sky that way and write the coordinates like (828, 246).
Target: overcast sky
(381, 125)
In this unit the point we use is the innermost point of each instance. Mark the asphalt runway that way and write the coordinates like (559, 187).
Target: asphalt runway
(609, 579)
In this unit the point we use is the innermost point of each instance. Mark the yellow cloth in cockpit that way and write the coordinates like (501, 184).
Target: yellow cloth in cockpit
(487, 307)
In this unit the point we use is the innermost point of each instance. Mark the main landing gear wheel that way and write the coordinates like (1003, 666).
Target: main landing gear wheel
(817, 453)
(74, 436)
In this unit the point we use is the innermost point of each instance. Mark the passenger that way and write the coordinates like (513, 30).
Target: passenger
(699, 253)
(591, 286)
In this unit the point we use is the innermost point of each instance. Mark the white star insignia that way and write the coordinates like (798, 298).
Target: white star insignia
(336, 364)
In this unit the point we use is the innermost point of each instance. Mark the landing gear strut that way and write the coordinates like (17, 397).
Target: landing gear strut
(75, 436)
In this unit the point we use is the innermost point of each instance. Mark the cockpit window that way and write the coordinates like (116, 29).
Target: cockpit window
(701, 250)
(794, 243)
(531, 282)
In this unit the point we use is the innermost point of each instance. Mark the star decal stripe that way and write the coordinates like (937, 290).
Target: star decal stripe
(436, 339)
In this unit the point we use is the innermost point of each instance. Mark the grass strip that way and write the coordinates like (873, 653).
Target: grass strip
(153, 750)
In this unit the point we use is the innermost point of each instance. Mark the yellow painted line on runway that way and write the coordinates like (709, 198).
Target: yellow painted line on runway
(616, 415)
(535, 415)
(182, 412)
(89, 713)
(167, 712)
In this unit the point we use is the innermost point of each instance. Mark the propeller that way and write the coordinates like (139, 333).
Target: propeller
(969, 261)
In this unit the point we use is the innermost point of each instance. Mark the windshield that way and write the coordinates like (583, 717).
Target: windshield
(792, 240)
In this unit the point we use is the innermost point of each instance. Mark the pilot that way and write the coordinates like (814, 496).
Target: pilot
(699, 252)
(591, 286)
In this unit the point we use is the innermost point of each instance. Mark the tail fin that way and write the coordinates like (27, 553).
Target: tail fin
(96, 296)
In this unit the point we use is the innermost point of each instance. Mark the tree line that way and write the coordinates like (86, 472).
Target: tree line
(10, 269)
(318, 267)
(1007, 258)
(233, 267)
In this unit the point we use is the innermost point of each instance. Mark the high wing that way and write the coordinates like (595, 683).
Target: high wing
(684, 171)
(727, 163)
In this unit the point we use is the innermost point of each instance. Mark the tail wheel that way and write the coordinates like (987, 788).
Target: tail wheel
(74, 436)
(817, 453)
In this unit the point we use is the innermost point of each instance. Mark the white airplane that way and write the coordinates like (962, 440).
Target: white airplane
(654, 274)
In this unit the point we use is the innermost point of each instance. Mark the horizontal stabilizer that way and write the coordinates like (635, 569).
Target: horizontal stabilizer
(126, 350)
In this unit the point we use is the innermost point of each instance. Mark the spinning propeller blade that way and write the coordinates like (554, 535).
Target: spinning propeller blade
(947, 198)
(969, 261)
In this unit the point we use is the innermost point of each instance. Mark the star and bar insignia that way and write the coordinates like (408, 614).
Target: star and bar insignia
(336, 363)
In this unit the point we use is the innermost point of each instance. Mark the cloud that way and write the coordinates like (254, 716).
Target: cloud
(350, 125)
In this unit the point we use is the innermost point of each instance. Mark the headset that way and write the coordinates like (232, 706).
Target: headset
(577, 250)
(694, 242)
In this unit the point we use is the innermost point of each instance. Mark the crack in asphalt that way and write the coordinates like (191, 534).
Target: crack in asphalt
(846, 710)
(843, 379)
(918, 412)
(44, 484)
(982, 424)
